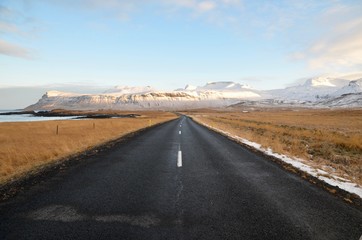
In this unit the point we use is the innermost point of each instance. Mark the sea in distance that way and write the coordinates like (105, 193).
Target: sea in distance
(27, 117)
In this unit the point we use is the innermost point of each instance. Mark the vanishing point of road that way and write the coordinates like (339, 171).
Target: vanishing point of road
(178, 180)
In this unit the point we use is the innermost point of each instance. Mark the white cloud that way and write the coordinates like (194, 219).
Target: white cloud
(340, 46)
(343, 51)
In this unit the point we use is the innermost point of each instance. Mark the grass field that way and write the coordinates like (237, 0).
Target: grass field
(26, 146)
(327, 139)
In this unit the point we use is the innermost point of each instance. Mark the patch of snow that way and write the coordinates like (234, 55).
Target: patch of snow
(61, 94)
(190, 87)
(319, 81)
(121, 90)
(298, 163)
(223, 86)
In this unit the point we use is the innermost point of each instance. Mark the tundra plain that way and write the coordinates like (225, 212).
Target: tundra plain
(327, 139)
(28, 146)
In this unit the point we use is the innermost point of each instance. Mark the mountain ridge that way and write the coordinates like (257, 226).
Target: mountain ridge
(319, 91)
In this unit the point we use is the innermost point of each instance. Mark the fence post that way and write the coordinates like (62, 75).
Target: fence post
(57, 130)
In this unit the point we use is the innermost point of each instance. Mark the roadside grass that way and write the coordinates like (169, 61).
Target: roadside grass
(327, 139)
(26, 146)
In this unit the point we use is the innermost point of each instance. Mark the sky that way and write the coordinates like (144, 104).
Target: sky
(167, 44)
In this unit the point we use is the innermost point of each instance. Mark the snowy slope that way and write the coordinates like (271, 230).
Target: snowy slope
(121, 90)
(352, 87)
(226, 90)
(345, 101)
(223, 86)
(313, 89)
(62, 94)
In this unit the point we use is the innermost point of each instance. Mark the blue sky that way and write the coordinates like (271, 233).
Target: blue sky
(168, 44)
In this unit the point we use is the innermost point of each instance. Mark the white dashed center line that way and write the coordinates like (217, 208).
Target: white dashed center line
(179, 154)
(179, 159)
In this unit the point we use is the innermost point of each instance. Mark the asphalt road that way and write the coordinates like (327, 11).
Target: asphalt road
(137, 191)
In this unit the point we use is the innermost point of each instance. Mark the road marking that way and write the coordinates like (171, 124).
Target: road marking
(179, 132)
(179, 159)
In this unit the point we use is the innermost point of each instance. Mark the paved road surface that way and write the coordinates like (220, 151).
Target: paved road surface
(136, 191)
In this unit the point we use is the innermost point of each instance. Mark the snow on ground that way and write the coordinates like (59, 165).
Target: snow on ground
(322, 175)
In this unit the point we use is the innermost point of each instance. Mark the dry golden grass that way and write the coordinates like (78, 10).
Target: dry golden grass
(328, 139)
(26, 146)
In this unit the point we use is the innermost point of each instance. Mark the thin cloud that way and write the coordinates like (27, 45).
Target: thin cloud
(343, 51)
(338, 48)
(206, 6)
(13, 50)
(10, 26)
(125, 9)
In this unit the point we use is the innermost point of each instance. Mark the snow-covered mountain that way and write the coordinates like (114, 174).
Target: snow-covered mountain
(211, 95)
(352, 87)
(349, 100)
(313, 89)
(223, 90)
(320, 91)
